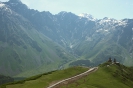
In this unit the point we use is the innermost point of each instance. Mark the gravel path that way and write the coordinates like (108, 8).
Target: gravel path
(72, 79)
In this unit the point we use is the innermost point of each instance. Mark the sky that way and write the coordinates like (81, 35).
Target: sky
(118, 9)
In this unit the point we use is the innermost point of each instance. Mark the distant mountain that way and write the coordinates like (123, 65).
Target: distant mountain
(111, 38)
(48, 41)
(23, 48)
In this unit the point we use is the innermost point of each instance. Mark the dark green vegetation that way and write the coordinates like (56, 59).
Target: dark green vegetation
(5, 79)
(33, 42)
(107, 76)
(81, 63)
(43, 80)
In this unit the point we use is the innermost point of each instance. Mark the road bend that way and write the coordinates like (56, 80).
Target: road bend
(72, 79)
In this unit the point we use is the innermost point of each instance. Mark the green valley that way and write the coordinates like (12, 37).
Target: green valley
(34, 42)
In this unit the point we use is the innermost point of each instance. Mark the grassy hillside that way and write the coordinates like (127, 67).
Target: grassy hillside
(107, 76)
(43, 80)
(5, 79)
(15, 59)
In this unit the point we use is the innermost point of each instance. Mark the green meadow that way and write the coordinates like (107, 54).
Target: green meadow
(107, 76)
(44, 80)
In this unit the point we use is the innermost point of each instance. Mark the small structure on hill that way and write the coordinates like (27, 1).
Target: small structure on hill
(110, 60)
(114, 61)
(117, 63)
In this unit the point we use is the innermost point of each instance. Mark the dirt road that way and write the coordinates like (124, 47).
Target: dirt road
(72, 79)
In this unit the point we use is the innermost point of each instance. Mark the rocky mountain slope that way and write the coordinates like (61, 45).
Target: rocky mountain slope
(44, 39)
(23, 48)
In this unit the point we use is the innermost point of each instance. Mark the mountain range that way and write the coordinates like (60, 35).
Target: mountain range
(33, 42)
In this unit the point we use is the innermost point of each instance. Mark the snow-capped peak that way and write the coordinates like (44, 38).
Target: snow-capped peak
(85, 15)
(112, 21)
(5, 8)
(1, 4)
(88, 16)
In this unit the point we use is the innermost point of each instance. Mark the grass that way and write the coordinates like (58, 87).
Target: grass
(20, 57)
(105, 77)
(43, 80)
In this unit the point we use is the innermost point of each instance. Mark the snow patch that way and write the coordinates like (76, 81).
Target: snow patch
(88, 16)
(88, 39)
(99, 30)
(71, 46)
(120, 23)
(85, 15)
(111, 21)
(106, 30)
(1, 5)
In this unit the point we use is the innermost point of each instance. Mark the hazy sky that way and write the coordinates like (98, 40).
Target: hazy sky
(118, 9)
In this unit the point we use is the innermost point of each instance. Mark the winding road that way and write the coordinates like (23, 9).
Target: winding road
(72, 79)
